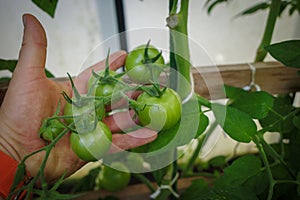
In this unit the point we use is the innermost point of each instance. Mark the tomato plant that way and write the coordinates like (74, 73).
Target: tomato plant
(114, 177)
(92, 145)
(159, 112)
(144, 64)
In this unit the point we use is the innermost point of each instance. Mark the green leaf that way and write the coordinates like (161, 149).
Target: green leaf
(229, 192)
(218, 161)
(275, 120)
(203, 124)
(233, 92)
(199, 187)
(237, 124)
(212, 5)
(49, 74)
(287, 52)
(9, 65)
(48, 6)
(256, 104)
(255, 8)
(240, 171)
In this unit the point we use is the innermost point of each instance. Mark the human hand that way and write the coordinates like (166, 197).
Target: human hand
(32, 97)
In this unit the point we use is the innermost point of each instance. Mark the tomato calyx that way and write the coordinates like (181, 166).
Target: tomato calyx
(147, 59)
(106, 77)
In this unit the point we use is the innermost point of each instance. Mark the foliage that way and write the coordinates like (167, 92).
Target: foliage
(49, 6)
(272, 173)
(287, 52)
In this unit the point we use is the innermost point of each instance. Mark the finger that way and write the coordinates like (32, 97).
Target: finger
(116, 60)
(121, 121)
(32, 55)
(121, 142)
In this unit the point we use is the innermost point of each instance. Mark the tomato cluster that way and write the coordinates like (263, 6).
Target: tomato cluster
(157, 107)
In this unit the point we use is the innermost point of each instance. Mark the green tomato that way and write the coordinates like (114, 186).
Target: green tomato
(101, 89)
(160, 113)
(139, 69)
(92, 145)
(84, 115)
(114, 177)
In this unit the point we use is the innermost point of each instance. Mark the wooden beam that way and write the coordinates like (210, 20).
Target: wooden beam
(272, 77)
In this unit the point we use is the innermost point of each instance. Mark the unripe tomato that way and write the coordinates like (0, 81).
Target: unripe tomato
(101, 89)
(112, 179)
(139, 69)
(92, 145)
(160, 113)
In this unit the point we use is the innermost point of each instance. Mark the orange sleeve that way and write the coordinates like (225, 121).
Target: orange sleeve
(8, 167)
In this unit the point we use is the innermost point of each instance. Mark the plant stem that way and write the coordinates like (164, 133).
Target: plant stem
(144, 180)
(179, 48)
(204, 101)
(196, 152)
(275, 155)
(268, 32)
(262, 152)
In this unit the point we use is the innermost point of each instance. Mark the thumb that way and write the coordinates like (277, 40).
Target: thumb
(32, 56)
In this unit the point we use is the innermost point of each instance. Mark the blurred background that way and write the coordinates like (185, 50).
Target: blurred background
(82, 27)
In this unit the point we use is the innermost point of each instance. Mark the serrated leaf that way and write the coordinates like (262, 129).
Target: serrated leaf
(287, 52)
(49, 6)
(240, 171)
(237, 124)
(256, 104)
